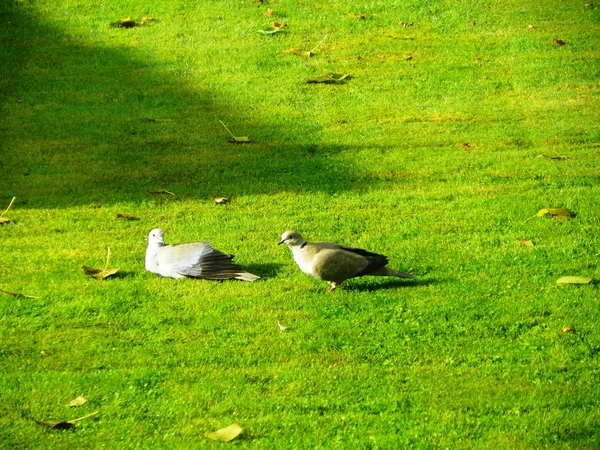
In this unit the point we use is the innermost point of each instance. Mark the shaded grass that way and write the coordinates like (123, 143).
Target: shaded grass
(471, 355)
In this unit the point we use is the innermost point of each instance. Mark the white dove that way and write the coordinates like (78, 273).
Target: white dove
(193, 260)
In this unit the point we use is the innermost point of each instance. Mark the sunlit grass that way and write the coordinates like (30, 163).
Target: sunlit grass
(427, 153)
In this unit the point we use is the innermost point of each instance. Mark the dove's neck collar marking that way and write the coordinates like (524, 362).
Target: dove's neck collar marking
(303, 244)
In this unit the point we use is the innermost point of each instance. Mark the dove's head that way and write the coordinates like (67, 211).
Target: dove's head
(156, 236)
(292, 239)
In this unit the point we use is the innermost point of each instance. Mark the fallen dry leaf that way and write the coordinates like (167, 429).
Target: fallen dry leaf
(327, 78)
(357, 16)
(306, 53)
(559, 42)
(3, 219)
(128, 22)
(557, 213)
(161, 191)
(127, 217)
(552, 155)
(573, 280)
(100, 274)
(299, 52)
(236, 139)
(124, 23)
(63, 425)
(56, 424)
(269, 12)
(568, 329)
(225, 434)
(79, 401)
(531, 26)
(407, 24)
(17, 295)
(526, 242)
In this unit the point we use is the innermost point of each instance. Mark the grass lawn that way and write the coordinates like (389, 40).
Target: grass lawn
(431, 152)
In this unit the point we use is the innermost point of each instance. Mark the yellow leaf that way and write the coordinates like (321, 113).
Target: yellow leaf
(573, 280)
(98, 274)
(557, 213)
(4, 219)
(161, 191)
(225, 434)
(79, 401)
(526, 242)
(357, 16)
(297, 51)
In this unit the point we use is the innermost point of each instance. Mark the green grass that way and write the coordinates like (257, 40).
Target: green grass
(471, 355)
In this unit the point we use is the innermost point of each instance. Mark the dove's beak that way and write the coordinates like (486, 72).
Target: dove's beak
(281, 242)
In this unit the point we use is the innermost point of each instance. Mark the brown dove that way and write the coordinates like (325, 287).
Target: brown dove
(336, 263)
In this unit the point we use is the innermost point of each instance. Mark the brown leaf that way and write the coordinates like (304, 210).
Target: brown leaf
(327, 78)
(559, 42)
(568, 329)
(124, 23)
(472, 24)
(465, 144)
(526, 242)
(17, 295)
(127, 217)
(407, 24)
(161, 191)
(531, 26)
(98, 274)
(57, 425)
(269, 12)
(225, 434)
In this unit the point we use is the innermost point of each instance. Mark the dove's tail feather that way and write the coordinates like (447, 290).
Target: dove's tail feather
(246, 276)
(387, 272)
(219, 266)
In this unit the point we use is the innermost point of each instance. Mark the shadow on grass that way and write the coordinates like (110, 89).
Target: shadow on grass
(390, 284)
(87, 123)
(264, 271)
